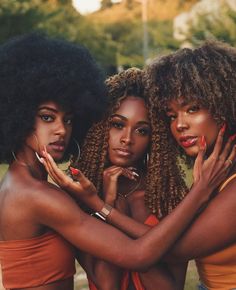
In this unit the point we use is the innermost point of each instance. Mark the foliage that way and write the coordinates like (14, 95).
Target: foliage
(106, 4)
(114, 35)
(56, 18)
(221, 27)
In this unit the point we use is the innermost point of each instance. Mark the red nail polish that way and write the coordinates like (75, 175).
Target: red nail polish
(74, 171)
(223, 128)
(233, 137)
(203, 141)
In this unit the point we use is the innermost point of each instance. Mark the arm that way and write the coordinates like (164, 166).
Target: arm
(214, 229)
(108, 243)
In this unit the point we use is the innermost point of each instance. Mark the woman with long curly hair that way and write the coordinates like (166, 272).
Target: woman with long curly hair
(194, 90)
(129, 137)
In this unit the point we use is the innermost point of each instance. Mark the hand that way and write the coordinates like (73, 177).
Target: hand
(214, 170)
(81, 188)
(110, 179)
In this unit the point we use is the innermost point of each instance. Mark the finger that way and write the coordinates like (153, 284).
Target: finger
(199, 159)
(230, 161)
(129, 174)
(56, 173)
(219, 142)
(83, 180)
(226, 150)
(113, 173)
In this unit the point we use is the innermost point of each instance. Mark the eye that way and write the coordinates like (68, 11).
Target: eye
(193, 108)
(144, 131)
(117, 124)
(69, 121)
(171, 117)
(47, 118)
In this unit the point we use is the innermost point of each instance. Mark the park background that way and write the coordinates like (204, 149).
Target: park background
(122, 34)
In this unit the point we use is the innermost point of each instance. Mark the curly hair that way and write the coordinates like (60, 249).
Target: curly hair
(205, 75)
(163, 190)
(36, 69)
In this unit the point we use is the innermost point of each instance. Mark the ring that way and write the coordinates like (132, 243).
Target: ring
(230, 161)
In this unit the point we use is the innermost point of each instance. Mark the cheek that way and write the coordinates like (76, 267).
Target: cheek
(173, 130)
(143, 145)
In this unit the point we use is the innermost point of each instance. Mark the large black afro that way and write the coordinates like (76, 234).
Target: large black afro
(35, 69)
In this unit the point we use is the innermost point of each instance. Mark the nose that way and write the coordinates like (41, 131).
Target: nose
(181, 123)
(60, 128)
(126, 137)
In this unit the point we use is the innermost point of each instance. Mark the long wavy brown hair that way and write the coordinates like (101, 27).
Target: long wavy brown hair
(164, 187)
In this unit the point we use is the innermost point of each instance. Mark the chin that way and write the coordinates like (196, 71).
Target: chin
(121, 162)
(191, 152)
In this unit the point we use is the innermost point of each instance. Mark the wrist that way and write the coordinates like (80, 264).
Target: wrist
(104, 212)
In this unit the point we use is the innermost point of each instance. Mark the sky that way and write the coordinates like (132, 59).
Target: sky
(86, 6)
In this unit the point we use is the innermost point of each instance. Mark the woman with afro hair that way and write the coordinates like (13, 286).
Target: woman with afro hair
(50, 91)
(194, 90)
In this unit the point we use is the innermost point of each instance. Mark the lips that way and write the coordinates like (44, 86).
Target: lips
(58, 146)
(122, 152)
(188, 141)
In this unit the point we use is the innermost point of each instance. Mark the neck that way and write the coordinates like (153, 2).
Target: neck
(29, 162)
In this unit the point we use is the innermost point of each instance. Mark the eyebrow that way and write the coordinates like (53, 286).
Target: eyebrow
(48, 108)
(125, 119)
(52, 110)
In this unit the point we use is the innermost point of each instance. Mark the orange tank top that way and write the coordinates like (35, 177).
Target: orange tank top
(218, 271)
(38, 261)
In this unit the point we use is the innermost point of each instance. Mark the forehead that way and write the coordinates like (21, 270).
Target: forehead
(181, 102)
(53, 106)
(132, 104)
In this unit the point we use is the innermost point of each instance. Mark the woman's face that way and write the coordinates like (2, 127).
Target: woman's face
(188, 122)
(130, 132)
(53, 128)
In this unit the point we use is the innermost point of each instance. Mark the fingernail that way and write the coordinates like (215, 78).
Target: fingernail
(135, 174)
(40, 159)
(74, 171)
(222, 130)
(232, 138)
(203, 142)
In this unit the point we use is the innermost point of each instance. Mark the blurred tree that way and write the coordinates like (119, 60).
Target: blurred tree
(56, 18)
(106, 4)
(222, 27)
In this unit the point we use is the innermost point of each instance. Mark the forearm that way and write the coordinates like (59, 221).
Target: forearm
(163, 236)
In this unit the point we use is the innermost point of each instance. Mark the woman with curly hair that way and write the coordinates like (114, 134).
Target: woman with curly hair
(50, 91)
(124, 154)
(195, 92)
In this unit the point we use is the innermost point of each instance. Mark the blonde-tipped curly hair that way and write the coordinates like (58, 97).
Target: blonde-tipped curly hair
(164, 187)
